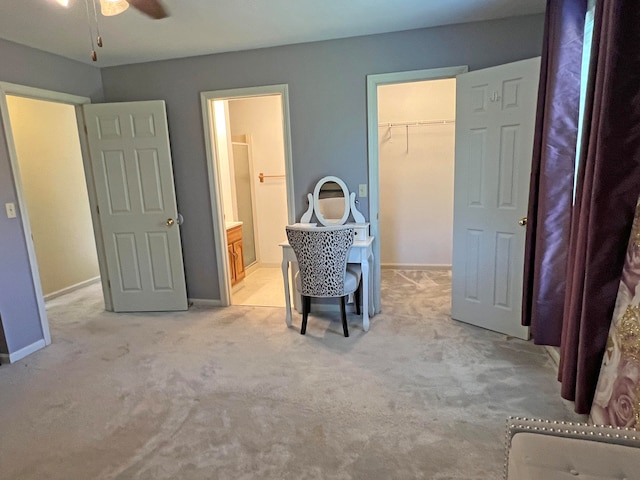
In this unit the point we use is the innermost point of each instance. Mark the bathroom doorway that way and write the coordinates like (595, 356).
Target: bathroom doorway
(250, 175)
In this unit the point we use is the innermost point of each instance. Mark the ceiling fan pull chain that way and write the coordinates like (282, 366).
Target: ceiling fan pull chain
(94, 55)
(95, 16)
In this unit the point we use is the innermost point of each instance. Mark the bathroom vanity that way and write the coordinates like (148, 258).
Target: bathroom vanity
(234, 246)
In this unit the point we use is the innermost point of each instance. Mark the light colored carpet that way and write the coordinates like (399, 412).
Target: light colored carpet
(233, 394)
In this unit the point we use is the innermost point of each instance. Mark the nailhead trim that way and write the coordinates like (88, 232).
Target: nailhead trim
(559, 427)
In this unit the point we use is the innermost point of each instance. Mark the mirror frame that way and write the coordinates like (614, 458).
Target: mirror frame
(316, 200)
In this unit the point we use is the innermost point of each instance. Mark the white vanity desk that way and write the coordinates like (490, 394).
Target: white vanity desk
(333, 204)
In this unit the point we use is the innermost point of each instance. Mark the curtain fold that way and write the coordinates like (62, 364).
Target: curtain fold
(574, 254)
(552, 171)
(607, 189)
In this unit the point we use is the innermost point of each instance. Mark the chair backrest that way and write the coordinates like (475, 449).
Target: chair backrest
(322, 254)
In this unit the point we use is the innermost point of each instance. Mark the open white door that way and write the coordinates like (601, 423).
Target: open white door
(495, 119)
(133, 175)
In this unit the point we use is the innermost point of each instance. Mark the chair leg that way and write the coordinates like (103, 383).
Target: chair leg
(356, 297)
(343, 313)
(306, 306)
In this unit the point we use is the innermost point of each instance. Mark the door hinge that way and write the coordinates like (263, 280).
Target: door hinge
(109, 284)
(98, 209)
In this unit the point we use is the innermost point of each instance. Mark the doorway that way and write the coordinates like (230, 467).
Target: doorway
(416, 124)
(249, 162)
(76, 103)
(379, 116)
(55, 190)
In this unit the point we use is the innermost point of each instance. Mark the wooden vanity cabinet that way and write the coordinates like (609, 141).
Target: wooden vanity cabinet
(236, 258)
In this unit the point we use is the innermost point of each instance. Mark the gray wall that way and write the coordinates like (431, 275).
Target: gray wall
(327, 94)
(327, 87)
(26, 66)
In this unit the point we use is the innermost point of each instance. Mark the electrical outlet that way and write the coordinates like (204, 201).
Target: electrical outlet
(11, 210)
(362, 190)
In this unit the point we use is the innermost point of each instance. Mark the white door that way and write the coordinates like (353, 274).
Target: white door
(495, 119)
(131, 163)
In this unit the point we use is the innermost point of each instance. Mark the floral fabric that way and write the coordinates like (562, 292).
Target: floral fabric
(617, 397)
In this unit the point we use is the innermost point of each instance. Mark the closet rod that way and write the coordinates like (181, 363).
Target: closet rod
(415, 124)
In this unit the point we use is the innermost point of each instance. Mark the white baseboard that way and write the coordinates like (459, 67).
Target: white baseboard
(23, 352)
(414, 266)
(72, 288)
(204, 302)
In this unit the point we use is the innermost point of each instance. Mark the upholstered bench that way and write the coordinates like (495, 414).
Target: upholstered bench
(548, 450)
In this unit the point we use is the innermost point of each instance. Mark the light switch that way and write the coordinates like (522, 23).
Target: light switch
(362, 190)
(11, 210)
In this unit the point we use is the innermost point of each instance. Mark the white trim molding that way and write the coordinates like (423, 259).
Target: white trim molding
(23, 352)
(204, 302)
(412, 266)
(71, 288)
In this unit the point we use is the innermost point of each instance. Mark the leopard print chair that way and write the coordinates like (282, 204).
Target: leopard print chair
(322, 254)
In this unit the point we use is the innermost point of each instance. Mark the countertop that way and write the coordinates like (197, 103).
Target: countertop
(229, 225)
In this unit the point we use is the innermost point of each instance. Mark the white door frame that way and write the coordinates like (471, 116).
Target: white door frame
(77, 101)
(215, 192)
(373, 81)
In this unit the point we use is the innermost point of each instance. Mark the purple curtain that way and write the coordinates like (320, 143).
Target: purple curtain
(552, 171)
(608, 187)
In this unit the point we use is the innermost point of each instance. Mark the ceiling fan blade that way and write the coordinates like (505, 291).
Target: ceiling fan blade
(152, 8)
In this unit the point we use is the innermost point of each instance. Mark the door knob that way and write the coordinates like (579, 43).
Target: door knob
(170, 222)
(523, 222)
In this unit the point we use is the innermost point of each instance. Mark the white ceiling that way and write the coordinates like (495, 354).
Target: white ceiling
(198, 27)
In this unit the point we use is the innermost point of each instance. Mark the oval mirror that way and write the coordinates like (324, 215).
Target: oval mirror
(331, 201)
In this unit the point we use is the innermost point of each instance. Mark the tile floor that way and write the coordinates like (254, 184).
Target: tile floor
(262, 287)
